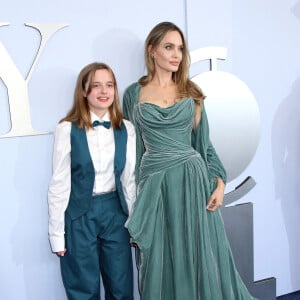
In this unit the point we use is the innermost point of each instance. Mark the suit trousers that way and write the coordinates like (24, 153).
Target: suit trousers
(98, 243)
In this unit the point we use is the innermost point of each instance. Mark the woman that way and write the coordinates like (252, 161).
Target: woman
(182, 249)
(93, 189)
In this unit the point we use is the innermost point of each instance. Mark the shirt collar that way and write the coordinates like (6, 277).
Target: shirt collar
(94, 117)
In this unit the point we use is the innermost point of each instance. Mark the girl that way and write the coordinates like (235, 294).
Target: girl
(92, 190)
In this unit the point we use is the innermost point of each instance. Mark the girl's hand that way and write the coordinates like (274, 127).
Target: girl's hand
(216, 198)
(61, 253)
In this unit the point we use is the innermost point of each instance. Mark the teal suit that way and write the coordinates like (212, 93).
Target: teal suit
(96, 239)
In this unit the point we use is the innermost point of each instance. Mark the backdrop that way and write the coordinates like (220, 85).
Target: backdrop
(263, 46)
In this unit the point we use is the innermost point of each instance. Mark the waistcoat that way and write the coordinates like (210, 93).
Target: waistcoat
(83, 173)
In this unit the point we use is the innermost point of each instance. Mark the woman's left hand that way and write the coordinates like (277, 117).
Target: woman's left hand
(216, 198)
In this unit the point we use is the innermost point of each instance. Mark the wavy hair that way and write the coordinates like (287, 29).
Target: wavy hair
(185, 87)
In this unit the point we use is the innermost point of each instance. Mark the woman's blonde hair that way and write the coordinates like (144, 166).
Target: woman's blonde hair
(186, 88)
(80, 111)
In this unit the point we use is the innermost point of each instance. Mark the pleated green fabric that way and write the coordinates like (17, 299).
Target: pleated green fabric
(183, 252)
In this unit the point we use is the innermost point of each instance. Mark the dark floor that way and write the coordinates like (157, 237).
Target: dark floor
(292, 296)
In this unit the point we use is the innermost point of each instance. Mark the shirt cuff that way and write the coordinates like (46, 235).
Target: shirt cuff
(57, 243)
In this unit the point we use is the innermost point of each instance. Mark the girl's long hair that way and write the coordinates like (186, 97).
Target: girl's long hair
(185, 87)
(80, 111)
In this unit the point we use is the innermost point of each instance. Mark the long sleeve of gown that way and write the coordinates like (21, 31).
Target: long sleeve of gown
(202, 144)
(129, 101)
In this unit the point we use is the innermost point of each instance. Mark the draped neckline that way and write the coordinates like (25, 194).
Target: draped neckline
(160, 107)
(139, 102)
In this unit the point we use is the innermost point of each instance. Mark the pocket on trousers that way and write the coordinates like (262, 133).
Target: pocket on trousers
(77, 236)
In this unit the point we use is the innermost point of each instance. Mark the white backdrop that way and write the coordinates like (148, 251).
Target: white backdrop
(262, 38)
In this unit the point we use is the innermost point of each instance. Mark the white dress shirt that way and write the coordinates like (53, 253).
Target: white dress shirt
(102, 150)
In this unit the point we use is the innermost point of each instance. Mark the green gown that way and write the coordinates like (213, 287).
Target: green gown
(183, 252)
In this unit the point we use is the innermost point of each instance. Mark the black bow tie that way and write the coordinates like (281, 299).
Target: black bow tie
(106, 124)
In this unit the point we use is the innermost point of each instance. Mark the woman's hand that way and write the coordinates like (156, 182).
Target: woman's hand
(61, 253)
(216, 198)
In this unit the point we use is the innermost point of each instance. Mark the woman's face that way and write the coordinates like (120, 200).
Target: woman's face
(102, 93)
(168, 54)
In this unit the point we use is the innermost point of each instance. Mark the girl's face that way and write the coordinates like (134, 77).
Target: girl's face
(102, 94)
(168, 54)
